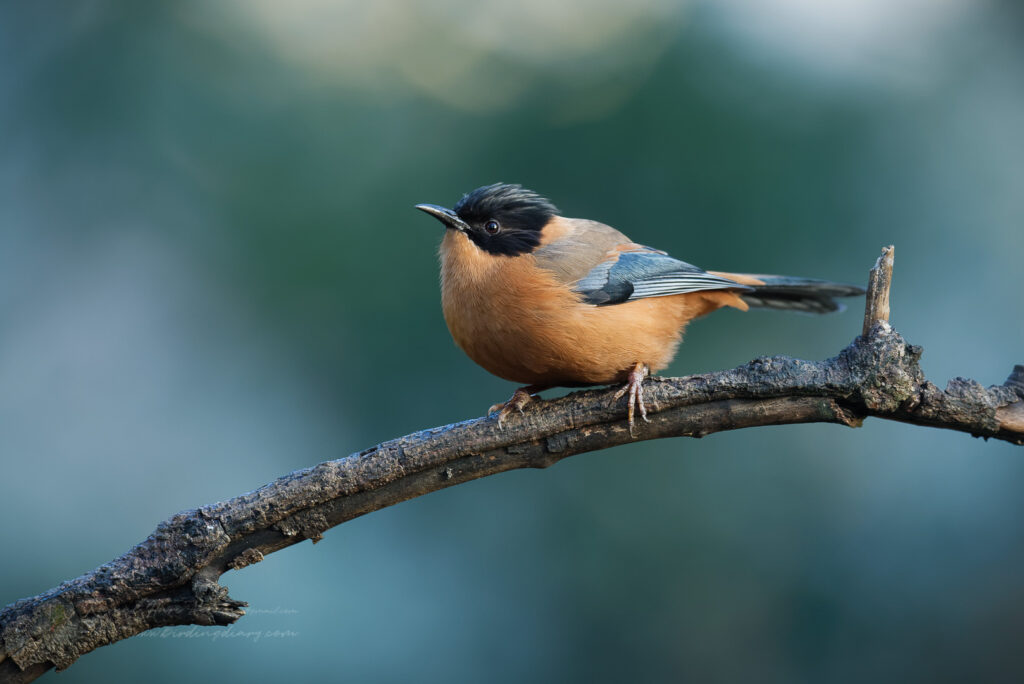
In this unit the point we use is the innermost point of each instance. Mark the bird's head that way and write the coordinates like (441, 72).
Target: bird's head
(500, 219)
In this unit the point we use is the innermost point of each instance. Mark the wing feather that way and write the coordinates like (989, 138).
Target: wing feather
(644, 272)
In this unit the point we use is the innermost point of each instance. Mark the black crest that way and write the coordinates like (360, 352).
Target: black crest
(520, 214)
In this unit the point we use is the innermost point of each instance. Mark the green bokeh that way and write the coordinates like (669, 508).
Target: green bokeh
(211, 274)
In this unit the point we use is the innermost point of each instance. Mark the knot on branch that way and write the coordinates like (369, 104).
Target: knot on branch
(246, 558)
(885, 369)
(212, 605)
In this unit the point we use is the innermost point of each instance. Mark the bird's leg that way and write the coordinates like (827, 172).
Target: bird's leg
(520, 398)
(634, 387)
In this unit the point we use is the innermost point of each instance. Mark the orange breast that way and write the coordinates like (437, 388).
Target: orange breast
(521, 323)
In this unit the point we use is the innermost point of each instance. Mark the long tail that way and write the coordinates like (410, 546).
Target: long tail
(793, 294)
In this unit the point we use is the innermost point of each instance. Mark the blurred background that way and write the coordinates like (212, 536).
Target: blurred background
(211, 274)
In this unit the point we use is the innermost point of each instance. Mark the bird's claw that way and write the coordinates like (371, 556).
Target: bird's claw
(634, 387)
(519, 399)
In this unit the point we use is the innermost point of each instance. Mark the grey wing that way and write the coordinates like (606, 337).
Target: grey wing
(631, 275)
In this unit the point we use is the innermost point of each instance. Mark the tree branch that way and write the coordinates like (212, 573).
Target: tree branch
(171, 578)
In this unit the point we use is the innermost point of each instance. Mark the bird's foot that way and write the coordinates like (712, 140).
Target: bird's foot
(634, 388)
(520, 398)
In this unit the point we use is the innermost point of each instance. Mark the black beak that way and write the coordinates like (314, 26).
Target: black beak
(445, 216)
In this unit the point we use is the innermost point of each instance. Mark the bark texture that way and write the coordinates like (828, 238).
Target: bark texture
(172, 578)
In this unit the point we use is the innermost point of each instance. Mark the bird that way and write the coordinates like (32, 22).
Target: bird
(547, 301)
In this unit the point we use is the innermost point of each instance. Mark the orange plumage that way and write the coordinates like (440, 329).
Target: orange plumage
(544, 300)
(519, 322)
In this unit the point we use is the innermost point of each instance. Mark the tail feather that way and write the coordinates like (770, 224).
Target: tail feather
(798, 294)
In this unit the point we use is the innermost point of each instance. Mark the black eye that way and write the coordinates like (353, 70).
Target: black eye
(492, 226)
